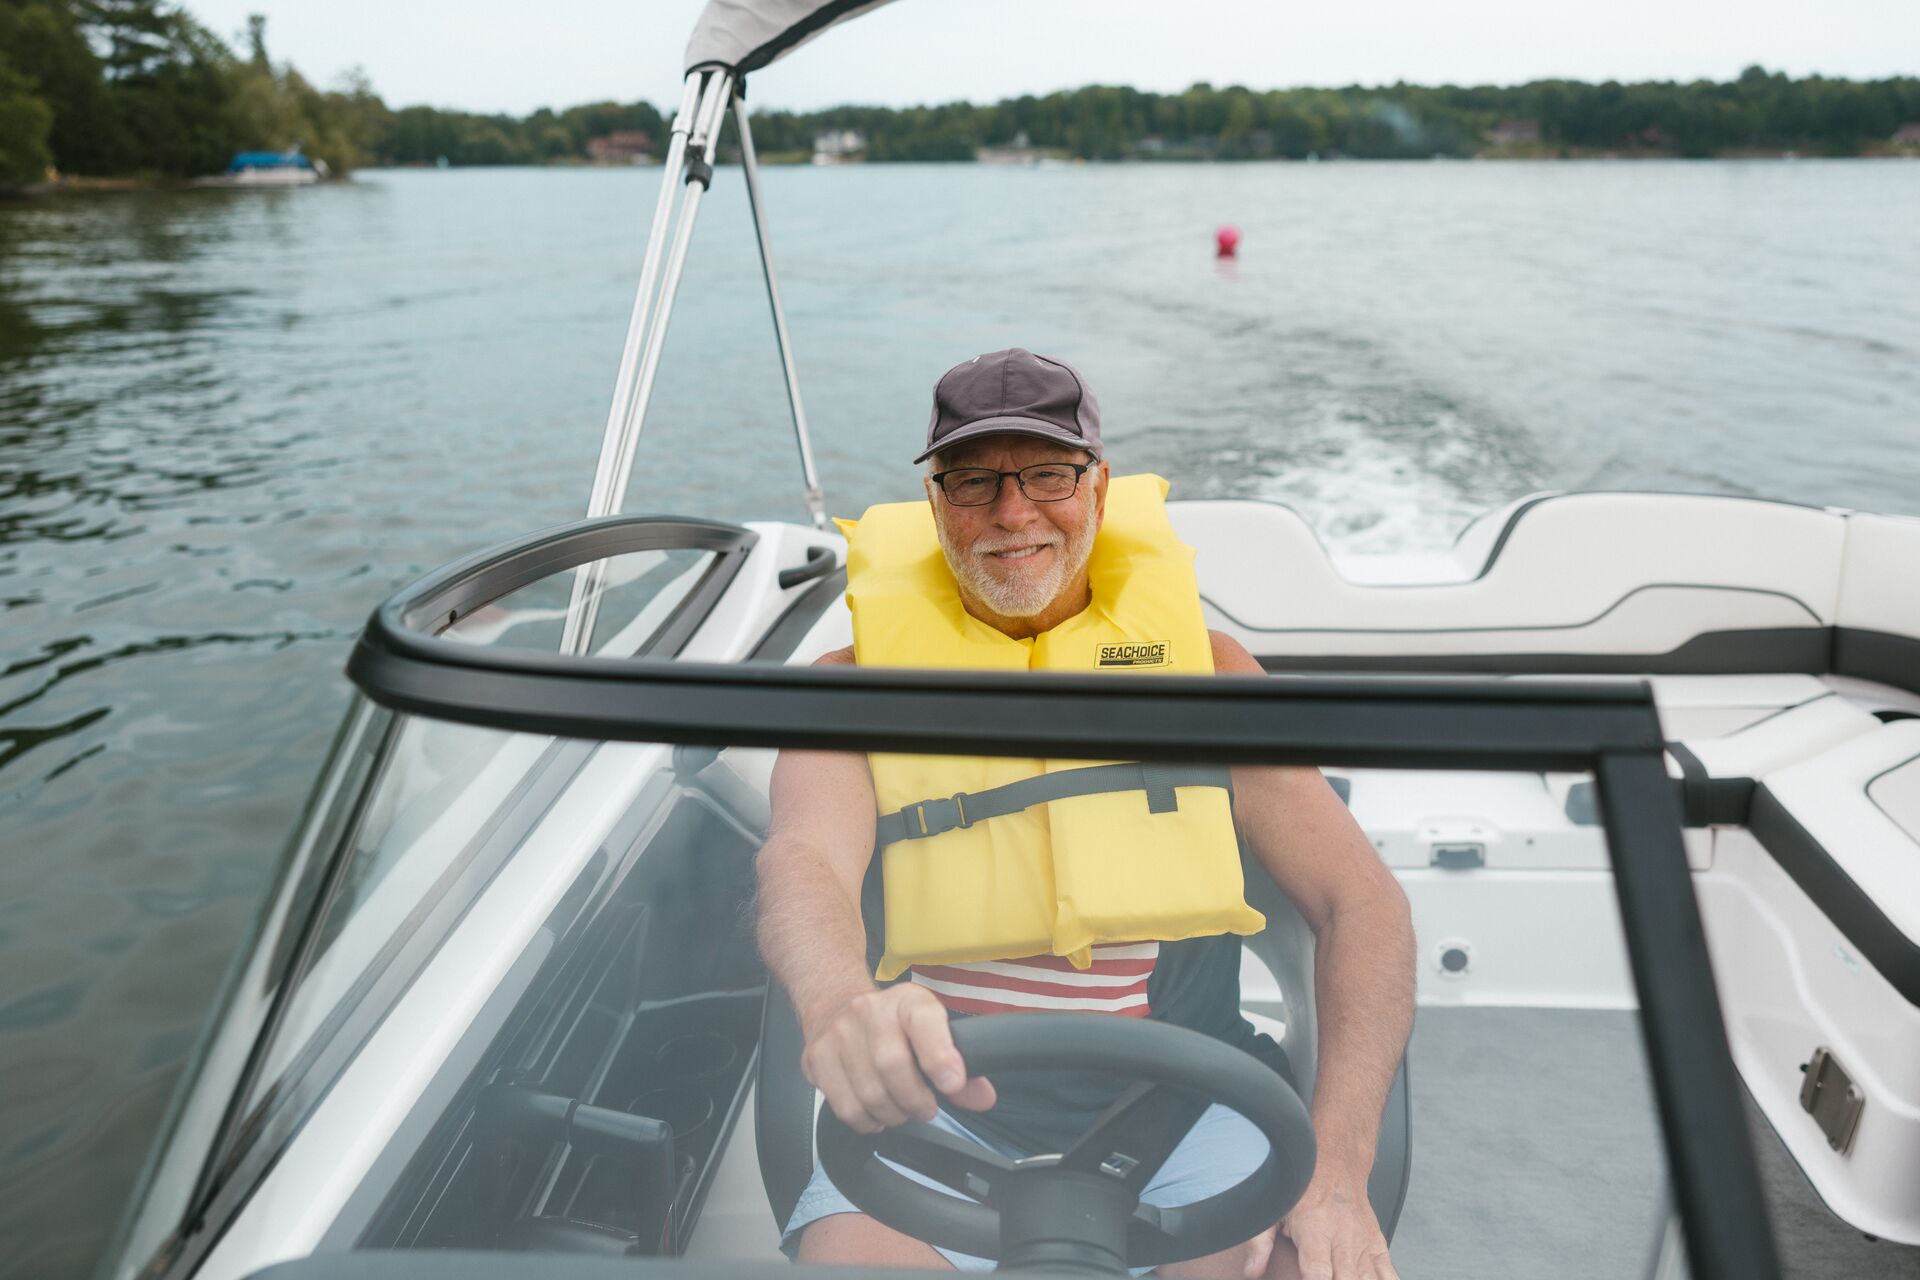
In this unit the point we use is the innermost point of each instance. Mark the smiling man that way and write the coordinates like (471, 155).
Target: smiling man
(1029, 555)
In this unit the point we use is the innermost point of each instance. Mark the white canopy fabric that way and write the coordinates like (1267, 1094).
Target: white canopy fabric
(745, 35)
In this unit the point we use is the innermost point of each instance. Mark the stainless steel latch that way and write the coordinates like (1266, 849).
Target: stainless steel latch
(1831, 1097)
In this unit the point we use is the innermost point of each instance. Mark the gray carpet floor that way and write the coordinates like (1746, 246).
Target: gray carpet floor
(1536, 1153)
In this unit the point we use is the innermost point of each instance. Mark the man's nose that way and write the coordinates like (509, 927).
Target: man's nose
(1012, 508)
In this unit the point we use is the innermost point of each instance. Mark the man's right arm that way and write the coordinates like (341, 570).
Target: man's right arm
(870, 1051)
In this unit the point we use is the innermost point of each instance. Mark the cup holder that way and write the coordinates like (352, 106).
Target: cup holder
(688, 1108)
(697, 1055)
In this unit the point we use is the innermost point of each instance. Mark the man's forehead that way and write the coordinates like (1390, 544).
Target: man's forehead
(1021, 449)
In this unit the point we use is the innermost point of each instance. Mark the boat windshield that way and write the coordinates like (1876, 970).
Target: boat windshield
(521, 996)
(553, 1031)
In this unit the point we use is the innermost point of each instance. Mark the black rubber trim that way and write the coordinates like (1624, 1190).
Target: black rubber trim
(698, 170)
(1802, 650)
(820, 562)
(1816, 651)
(1723, 802)
(1715, 1179)
(1879, 656)
(800, 618)
(1356, 721)
(1705, 800)
(1833, 891)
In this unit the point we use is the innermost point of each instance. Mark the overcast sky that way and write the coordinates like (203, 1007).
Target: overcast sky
(511, 56)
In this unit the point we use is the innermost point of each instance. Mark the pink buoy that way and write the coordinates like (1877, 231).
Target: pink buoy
(1226, 240)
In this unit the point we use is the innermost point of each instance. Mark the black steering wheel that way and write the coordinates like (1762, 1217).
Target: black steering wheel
(1080, 1209)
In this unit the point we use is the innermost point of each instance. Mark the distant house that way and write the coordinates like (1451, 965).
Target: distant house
(622, 146)
(1907, 135)
(1018, 151)
(1514, 131)
(839, 146)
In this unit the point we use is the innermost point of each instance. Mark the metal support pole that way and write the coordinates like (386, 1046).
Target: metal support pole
(689, 165)
(620, 413)
(699, 173)
(816, 502)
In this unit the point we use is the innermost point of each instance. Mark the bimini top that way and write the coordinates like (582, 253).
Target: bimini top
(745, 35)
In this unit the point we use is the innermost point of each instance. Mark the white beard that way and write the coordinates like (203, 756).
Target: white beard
(1024, 595)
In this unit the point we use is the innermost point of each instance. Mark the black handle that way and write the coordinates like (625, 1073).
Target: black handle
(820, 562)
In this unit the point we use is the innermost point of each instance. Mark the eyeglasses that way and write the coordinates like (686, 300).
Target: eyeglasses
(1042, 482)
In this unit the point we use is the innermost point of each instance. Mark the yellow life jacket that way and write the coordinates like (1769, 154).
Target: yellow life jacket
(1054, 878)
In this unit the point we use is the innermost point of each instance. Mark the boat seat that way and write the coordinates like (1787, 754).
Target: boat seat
(1616, 579)
(1877, 636)
(1845, 825)
(1708, 706)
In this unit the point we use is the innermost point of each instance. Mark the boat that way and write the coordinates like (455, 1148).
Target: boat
(1647, 766)
(287, 168)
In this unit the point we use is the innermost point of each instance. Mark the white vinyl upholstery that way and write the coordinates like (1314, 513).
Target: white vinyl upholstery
(1794, 734)
(1601, 573)
(1847, 797)
(1707, 706)
(1880, 575)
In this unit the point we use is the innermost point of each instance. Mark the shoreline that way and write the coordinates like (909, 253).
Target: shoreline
(85, 185)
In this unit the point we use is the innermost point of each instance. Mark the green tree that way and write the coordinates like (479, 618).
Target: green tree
(45, 43)
(25, 122)
(138, 35)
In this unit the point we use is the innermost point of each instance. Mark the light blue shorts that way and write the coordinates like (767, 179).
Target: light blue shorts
(1219, 1151)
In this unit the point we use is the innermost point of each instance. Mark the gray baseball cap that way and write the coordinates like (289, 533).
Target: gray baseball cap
(1013, 392)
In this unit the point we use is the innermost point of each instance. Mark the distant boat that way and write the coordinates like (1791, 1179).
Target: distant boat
(268, 169)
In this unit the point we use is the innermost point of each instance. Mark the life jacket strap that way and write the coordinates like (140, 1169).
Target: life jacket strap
(932, 817)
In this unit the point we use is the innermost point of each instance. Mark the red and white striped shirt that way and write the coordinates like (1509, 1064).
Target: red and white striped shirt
(1115, 982)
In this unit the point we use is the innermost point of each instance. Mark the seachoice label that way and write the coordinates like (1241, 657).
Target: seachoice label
(1133, 653)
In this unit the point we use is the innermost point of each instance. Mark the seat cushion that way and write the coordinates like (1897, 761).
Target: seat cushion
(1621, 574)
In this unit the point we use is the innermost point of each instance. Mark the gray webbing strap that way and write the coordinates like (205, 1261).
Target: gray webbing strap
(935, 817)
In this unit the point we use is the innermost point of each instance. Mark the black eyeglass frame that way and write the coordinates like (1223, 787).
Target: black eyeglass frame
(1000, 482)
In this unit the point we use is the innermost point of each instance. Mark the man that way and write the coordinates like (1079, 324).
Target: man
(1018, 492)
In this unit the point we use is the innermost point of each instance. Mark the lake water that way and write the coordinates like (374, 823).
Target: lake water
(232, 422)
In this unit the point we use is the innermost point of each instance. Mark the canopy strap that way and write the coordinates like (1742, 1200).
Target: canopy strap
(926, 818)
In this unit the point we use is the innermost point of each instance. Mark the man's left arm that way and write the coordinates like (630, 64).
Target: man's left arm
(1363, 984)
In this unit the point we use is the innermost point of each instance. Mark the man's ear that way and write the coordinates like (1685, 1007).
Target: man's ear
(1101, 474)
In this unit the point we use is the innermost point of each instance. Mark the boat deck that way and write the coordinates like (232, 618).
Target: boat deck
(1536, 1152)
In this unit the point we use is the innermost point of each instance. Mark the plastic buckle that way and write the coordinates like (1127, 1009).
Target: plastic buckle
(932, 820)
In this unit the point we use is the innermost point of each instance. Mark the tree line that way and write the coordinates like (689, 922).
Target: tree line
(107, 88)
(1758, 111)
(138, 87)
